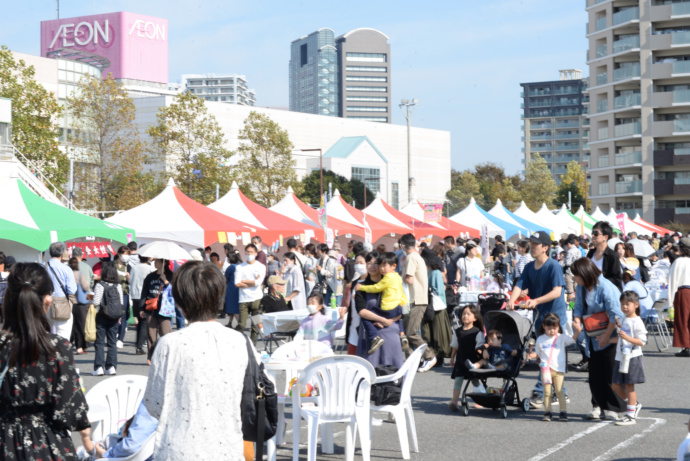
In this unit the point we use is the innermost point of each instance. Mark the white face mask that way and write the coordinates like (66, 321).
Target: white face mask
(360, 269)
(312, 308)
(251, 258)
(124, 258)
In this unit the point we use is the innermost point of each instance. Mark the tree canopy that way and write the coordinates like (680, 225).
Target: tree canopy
(538, 186)
(350, 189)
(574, 181)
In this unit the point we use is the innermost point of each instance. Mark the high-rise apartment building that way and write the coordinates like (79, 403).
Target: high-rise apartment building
(314, 74)
(228, 88)
(348, 76)
(555, 121)
(639, 60)
(364, 66)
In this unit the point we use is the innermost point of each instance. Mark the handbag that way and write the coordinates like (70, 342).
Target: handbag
(90, 325)
(167, 302)
(61, 308)
(595, 324)
(436, 302)
(259, 405)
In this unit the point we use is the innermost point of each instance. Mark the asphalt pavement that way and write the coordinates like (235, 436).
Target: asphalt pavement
(484, 434)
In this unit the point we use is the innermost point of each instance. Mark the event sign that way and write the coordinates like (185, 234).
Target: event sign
(433, 212)
(621, 222)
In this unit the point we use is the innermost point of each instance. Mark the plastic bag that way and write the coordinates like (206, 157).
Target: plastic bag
(90, 324)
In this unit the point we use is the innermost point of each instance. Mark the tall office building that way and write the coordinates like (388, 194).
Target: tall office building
(364, 66)
(555, 121)
(228, 88)
(314, 74)
(347, 77)
(639, 60)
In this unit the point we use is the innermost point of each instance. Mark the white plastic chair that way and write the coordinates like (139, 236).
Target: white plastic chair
(113, 401)
(344, 392)
(404, 416)
(340, 336)
(656, 325)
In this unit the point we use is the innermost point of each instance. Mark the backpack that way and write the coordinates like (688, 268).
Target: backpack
(386, 393)
(111, 306)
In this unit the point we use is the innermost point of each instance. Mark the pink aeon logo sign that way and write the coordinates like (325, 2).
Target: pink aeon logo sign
(136, 45)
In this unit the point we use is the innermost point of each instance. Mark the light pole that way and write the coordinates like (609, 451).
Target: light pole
(365, 188)
(409, 106)
(320, 168)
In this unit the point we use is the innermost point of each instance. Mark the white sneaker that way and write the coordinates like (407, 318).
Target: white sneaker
(427, 365)
(610, 415)
(595, 413)
(98, 372)
(638, 407)
(111, 371)
(120, 344)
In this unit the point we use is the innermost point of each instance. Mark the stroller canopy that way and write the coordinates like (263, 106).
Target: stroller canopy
(510, 323)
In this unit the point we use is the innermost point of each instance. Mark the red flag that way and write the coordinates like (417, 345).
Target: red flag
(110, 248)
(70, 247)
(98, 250)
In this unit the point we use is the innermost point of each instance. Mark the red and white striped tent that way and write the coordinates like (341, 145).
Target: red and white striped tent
(173, 216)
(338, 209)
(652, 227)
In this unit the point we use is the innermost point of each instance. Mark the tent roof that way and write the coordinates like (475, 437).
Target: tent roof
(35, 222)
(503, 213)
(599, 215)
(630, 226)
(474, 214)
(173, 216)
(658, 229)
(558, 224)
(572, 221)
(524, 212)
(270, 224)
(346, 145)
(339, 209)
(415, 210)
(294, 208)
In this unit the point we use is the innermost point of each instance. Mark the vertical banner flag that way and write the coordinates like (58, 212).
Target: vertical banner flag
(582, 223)
(330, 239)
(485, 243)
(323, 216)
(433, 212)
(367, 229)
(621, 222)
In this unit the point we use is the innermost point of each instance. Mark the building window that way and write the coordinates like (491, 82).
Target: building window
(366, 57)
(303, 55)
(375, 89)
(372, 175)
(364, 78)
(370, 119)
(368, 98)
(366, 69)
(366, 109)
(395, 195)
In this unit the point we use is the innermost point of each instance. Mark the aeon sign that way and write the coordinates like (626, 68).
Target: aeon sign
(136, 45)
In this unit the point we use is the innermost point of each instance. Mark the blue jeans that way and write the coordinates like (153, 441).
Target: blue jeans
(106, 329)
(179, 318)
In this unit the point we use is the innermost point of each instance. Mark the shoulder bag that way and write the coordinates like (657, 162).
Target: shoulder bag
(259, 405)
(61, 308)
(594, 324)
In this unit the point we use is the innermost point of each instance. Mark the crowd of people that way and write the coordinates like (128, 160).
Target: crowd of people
(389, 302)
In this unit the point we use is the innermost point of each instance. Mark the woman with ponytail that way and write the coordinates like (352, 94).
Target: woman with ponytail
(40, 396)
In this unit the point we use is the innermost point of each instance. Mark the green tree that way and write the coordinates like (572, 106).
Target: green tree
(463, 186)
(192, 144)
(574, 181)
(266, 168)
(490, 177)
(106, 147)
(35, 113)
(538, 186)
(350, 189)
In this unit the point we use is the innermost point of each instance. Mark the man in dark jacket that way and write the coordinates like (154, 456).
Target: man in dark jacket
(349, 268)
(604, 257)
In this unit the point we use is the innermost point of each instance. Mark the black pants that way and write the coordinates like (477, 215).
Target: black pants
(77, 337)
(601, 365)
(123, 325)
(137, 308)
(106, 330)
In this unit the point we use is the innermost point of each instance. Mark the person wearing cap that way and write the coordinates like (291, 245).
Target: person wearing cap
(196, 255)
(543, 279)
(295, 291)
(679, 293)
(273, 301)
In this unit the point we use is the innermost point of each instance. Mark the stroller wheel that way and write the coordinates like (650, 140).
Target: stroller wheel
(525, 404)
(465, 410)
(504, 411)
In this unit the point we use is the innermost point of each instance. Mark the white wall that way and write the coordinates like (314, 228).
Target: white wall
(430, 148)
(5, 110)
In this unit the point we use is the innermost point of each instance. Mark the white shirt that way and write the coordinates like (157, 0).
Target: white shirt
(254, 271)
(194, 390)
(543, 350)
(295, 282)
(684, 450)
(470, 268)
(598, 262)
(633, 327)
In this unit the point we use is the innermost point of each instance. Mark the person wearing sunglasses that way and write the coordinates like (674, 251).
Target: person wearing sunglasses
(604, 257)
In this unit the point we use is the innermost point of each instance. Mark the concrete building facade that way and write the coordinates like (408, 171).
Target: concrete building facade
(639, 61)
(227, 88)
(555, 122)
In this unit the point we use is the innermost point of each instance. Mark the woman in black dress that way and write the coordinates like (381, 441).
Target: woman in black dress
(40, 395)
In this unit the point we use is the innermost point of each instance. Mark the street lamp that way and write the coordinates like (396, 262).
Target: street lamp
(409, 106)
(320, 168)
(365, 188)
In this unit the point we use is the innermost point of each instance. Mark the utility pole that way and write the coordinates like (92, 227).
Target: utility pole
(409, 106)
(58, 8)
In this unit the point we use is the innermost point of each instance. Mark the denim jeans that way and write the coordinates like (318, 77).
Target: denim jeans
(123, 324)
(179, 318)
(106, 329)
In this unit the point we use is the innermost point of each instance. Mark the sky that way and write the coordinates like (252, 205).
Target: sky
(463, 60)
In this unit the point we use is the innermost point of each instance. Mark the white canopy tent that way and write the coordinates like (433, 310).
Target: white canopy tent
(556, 223)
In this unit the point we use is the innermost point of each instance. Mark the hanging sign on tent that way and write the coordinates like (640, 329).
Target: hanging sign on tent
(222, 237)
(232, 238)
(621, 222)
(246, 238)
(485, 243)
(309, 234)
(97, 251)
(110, 248)
(367, 229)
(88, 252)
(433, 212)
(330, 238)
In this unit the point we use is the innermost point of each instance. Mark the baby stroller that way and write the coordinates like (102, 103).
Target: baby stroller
(516, 331)
(488, 302)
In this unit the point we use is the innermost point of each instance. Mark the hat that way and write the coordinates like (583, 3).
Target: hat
(336, 246)
(685, 241)
(276, 279)
(368, 247)
(332, 254)
(196, 255)
(510, 245)
(541, 237)
(470, 244)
